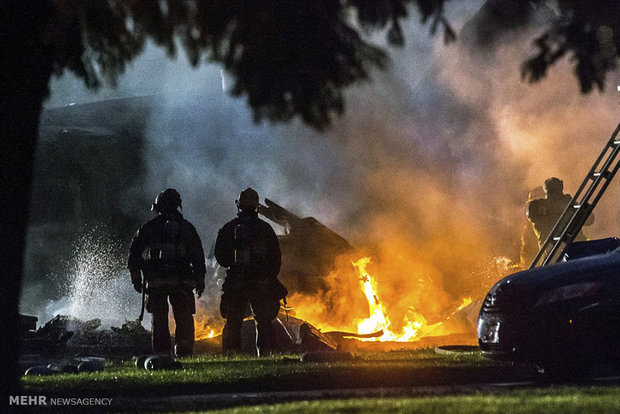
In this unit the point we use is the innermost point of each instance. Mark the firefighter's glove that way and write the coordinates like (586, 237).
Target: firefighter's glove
(136, 280)
(200, 287)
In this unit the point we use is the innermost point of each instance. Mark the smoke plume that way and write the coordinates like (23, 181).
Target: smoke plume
(427, 172)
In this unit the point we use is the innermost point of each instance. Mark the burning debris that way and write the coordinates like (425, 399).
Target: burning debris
(338, 303)
(309, 249)
(415, 325)
(331, 289)
(293, 335)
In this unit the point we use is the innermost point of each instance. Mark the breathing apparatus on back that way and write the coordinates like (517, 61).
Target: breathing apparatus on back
(167, 253)
(245, 245)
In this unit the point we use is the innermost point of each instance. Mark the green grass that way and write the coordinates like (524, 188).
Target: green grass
(250, 374)
(219, 374)
(567, 400)
(239, 374)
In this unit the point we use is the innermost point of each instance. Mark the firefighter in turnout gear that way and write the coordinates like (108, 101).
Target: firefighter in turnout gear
(544, 213)
(166, 258)
(248, 247)
(529, 238)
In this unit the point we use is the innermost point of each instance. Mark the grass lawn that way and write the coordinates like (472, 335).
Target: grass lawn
(577, 400)
(214, 375)
(247, 374)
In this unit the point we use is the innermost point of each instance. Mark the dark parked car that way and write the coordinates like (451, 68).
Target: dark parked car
(561, 316)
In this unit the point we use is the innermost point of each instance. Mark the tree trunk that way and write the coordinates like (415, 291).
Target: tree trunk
(25, 70)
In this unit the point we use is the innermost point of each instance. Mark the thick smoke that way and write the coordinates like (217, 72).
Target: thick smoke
(427, 172)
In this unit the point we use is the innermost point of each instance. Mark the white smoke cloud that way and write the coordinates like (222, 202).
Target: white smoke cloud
(436, 154)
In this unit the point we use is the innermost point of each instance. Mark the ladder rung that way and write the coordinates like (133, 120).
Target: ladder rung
(566, 229)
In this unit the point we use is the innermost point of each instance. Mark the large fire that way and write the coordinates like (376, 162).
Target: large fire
(352, 275)
(414, 325)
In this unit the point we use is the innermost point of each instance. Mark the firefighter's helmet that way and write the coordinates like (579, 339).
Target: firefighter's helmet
(553, 185)
(248, 199)
(167, 201)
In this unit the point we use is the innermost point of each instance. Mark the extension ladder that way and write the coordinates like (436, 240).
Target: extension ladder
(581, 205)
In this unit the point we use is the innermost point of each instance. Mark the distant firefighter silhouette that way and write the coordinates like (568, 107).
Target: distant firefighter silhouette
(529, 241)
(166, 260)
(544, 213)
(248, 247)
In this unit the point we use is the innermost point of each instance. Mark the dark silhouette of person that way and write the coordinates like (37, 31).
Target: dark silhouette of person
(529, 240)
(544, 213)
(248, 247)
(166, 258)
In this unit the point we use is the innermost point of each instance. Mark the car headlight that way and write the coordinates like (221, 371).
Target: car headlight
(488, 328)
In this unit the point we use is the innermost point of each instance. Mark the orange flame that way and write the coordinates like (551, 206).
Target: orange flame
(205, 327)
(415, 325)
(204, 333)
